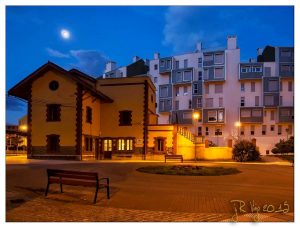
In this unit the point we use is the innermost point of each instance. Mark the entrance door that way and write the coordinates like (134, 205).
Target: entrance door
(107, 148)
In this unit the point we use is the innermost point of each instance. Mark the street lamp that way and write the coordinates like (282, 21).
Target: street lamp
(196, 117)
(238, 125)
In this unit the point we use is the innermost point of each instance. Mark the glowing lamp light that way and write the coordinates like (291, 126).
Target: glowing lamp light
(237, 124)
(23, 128)
(196, 115)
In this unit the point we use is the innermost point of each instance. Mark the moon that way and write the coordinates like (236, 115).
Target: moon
(65, 34)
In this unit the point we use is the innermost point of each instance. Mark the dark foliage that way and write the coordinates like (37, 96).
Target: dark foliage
(245, 150)
(284, 146)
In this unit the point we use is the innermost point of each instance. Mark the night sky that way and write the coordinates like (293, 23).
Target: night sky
(98, 34)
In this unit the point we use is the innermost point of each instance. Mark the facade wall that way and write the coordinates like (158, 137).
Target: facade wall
(65, 128)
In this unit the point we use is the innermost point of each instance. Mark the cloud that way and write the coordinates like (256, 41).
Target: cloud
(185, 26)
(13, 104)
(57, 54)
(91, 62)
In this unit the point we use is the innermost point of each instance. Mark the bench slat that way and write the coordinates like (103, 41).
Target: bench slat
(73, 182)
(73, 176)
(58, 171)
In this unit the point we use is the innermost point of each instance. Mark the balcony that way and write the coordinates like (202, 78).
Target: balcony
(251, 71)
(251, 115)
(286, 55)
(271, 100)
(286, 70)
(182, 76)
(197, 101)
(214, 116)
(213, 58)
(165, 105)
(165, 65)
(182, 117)
(197, 88)
(165, 91)
(214, 74)
(286, 114)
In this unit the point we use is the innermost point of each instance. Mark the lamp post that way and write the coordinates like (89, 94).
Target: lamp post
(238, 125)
(196, 116)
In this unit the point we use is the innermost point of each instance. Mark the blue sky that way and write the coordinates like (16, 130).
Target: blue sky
(105, 33)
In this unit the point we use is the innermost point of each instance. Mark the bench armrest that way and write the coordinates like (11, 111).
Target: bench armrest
(104, 178)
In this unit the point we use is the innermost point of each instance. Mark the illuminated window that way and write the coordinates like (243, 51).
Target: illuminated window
(107, 145)
(220, 115)
(125, 144)
(212, 116)
(121, 144)
(129, 143)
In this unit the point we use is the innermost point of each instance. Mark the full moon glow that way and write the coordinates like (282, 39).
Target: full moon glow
(65, 34)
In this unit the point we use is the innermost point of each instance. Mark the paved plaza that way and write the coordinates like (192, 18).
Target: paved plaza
(139, 196)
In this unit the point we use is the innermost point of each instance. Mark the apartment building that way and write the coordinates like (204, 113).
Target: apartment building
(234, 99)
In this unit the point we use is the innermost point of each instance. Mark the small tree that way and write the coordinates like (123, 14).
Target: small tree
(245, 150)
(284, 147)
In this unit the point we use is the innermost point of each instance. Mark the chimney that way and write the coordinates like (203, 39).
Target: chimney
(259, 51)
(135, 59)
(231, 42)
(110, 65)
(198, 46)
(156, 55)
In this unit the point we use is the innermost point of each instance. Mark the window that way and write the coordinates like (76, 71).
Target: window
(252, 86)
(242, 87)
(107, 145)
(218, 131)
(187, 75)
(178, 76)
(272, 128)
(162, 63)
(280, 86)
(242, 101)
(206, 74)
(206, 131)
(168, 64)
(163, 91)
(263, 129)
(242, 129)
(218, 88)
(257, 69)
(269, 100)
(279, 130)
(207, 89)
(209, 102)
(88, 142)
(290, 86)
(212, 116)
(177, 91)
(219, 72)
(285, 68)
(185, 90)
(252, 132)
(155, 67)
(125, 118)
(245, 69)
(176, 64)
(125, 144)
(187, 115)
(190, 104)
(208, 57)
(220, 101)
(272, 115)
(185, 62)
(256, 100)
(273, 85)
(219, 58)
(199, 62)
(53, 112)
(195, 90)
(53, 85)
(245, 113)
(155, 79)
(284, 53)
(280, 100)
(256, 113)
(199, 75)
(200, 131)
(89, 114)
(176, 105)
(53, 143)
(220, 115)
(199, 102)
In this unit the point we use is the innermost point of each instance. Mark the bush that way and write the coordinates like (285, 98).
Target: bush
(245, 150)
(284, 146)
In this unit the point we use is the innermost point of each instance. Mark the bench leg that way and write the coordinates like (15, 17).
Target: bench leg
(61, 188)
(47, 189)
(96, 193)
(107, 192)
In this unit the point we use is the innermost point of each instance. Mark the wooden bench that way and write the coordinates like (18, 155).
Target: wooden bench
(76, 178)
(173, 157)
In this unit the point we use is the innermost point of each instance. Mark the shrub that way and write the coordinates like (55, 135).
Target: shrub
(245, 150)
(284, 146)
